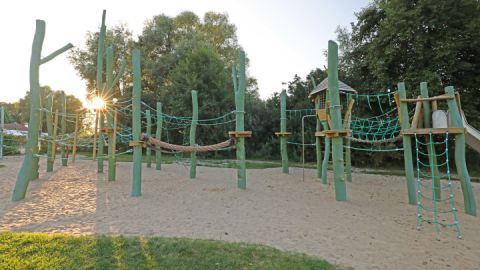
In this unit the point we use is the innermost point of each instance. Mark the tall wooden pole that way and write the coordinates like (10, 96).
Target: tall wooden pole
(109, 96)
(407, 145)
(29, 168)
(326, 155)
(318, 147)
(432, 157)
(63, 127)
(136, 124)
(240, 122)
(2, 125)
(468, 193)
(95, 130)
(158, 135)
(348, 150)
(336, 116)
(283, 129)
(193, 130)
(149, 133)
(49, 116)
(75, 138)
(54, 138)
(100, 89)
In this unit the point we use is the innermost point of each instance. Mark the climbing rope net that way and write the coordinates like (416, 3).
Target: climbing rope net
(433, 178)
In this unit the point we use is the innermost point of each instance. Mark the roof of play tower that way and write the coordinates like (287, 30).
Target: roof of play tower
(342, 87)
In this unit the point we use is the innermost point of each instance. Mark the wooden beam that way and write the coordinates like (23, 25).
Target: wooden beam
(413, 100)
(416, 115)
(428, 131)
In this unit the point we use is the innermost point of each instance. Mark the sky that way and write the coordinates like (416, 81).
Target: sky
(281, 38)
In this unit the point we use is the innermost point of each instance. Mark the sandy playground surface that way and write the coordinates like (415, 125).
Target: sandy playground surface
(374, 229)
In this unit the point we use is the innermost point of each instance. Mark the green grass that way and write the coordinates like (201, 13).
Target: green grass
(58, 251)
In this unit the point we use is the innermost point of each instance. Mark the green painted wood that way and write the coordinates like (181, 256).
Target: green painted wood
(136, 123)
(318, 146)
(432, 156)
(407, 145)
(63, 127)
(326, 155)
(110, 114)
(193, 130)
(100, 91)
(348, 152)
(158, 135)
(336, 116)
(240, 122)
(2, 125)
(148, 151)
(283, 128)
(457, 121)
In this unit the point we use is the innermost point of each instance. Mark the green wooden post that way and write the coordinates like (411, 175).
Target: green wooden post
(336, 116)
(468, 193)
(158, 134)
(110, 112)
(427, 123)
(63, 127)
(407, 145)
(100, 89)
(49, 116)
(348, 150)
(318, 146)
(149, 133)
(2, 124)
(326, 155)
(239, 121)
(283, 128)
(193, 130)
(136, 124)
(30, 161)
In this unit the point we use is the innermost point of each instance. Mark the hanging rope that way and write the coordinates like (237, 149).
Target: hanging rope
(154, 143)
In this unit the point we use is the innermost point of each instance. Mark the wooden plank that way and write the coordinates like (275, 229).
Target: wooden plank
(459, 103)
(348, 114)
(416, 115)
(240, 134)
(322, 114)
(427, 131)
(333, 133)
(283, 134)
(413, 100)
(397, 103)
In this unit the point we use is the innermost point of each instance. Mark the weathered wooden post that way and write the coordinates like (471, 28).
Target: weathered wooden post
(136, 124)
(149, 133)
(109, 95)
(49, 116)
(158, 134)
(326, 155)
(63, 127)
(30, 162)
(336, 116)
(407, 145)
(2, 125)
(193, 131)
(318, 146)
(54, 138)
(457, 122)
(348, 143)
(95, 133)
(240, 122)
(283, 131)
(75, 138)
(427, 123)
(100, 89)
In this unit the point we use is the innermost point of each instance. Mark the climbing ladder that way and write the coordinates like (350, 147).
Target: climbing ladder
(432, 208)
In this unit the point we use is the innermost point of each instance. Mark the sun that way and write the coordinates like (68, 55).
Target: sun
(97, 104)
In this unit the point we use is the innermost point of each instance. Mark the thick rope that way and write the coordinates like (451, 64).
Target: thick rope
(394, 139)
(182, 148)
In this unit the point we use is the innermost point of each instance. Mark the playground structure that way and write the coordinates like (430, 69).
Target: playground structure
(332, 99)
(106, 124)
(392, 125)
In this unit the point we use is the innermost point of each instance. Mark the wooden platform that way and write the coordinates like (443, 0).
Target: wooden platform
(283, 134)
(333, 133)
(427, 131)
(240, 134)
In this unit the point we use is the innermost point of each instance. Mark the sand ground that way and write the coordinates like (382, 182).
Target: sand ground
(374, 229)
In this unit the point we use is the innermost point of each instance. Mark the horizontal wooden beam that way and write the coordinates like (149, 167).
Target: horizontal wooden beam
(414, 100)
(333, 133)
(240, 134)
(283, 134)
(427, 131)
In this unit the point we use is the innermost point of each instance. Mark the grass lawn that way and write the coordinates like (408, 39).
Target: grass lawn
(59, 251)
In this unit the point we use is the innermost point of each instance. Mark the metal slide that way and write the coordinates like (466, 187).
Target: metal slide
(472, 135)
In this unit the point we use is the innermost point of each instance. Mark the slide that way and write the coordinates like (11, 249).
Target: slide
(472, 135)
